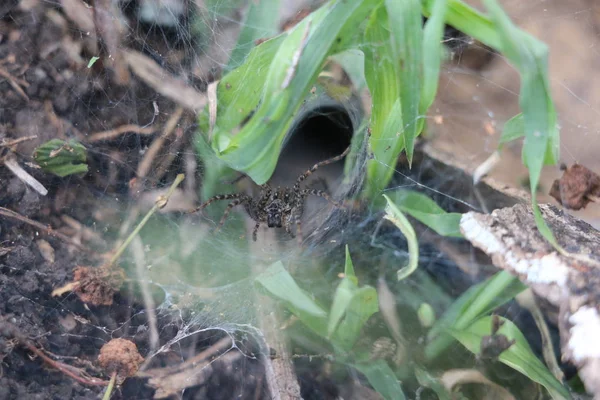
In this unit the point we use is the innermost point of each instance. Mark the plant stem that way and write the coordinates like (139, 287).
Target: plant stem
(160, 202)
(110, 387)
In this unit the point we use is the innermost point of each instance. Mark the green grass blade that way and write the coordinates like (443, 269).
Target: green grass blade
(513, 129)
(343, 295)
(422, 208)
(382, 378)
(280, 284)
(240, 91)
(383, 79)
(541, 144)
(261, 22)
(479, 300)
(393, 214)
(300, 57)
(362, 306)
(468, 20)
(518, 356)
(432, 53)
(406, 37)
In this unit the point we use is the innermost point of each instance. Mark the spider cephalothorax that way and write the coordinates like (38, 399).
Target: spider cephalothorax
(278, 208)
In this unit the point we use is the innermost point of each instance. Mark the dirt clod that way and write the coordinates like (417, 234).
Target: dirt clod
(576, 188)
(120, 356)
(97, 286)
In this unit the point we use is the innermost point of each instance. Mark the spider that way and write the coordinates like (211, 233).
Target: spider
(278, 208)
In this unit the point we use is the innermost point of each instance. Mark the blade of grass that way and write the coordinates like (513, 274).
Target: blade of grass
(468, 20)
(422, 208)
(479, 300)
(382, 378)
(255, 148)
(518, 356)
(513, 129)
(382, 73)
(530, 57)
(432, 53)
(406, 38)
(261, 22)
(343, 295)
(393, 214)
(280, 284)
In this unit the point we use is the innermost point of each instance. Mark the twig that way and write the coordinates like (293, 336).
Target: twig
(157, 144)
(9, 329)
(163, 82)
(527, 300)
(13, 82)
(13, 142)
(14, 167)
(45, 229)
(118, 131)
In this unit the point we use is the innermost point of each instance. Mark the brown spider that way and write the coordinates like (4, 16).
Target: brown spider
(279, 207)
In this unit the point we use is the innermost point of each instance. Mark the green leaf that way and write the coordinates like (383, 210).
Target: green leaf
(61, 158)
(432, 53)
(280, 284)
(518, 356)
(468, 20)
(425, 210)
(428, 380)
(240, 91)
(382, 378)
(476, 302)
(541, 144)
(513, 129)
(362, 305)
(406, 37)
(382, 73)
(254, 149)
(349, 267)
(394, 215)
(353, 62)
(343, 295)
(92, 61)
(262, 19)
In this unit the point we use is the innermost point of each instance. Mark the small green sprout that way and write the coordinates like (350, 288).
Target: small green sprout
(61, 158)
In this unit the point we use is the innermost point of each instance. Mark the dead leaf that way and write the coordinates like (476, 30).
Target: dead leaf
(576, 188)
(163, 82)
(456, 377)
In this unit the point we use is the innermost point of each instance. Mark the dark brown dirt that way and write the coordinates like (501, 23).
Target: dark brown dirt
(47, 90)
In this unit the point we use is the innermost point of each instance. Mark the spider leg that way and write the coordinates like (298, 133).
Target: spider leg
(255, 231)
(299, 230)
(288, 228)
(297, 215)
(216, 198)
(323, 194)
(318, 165)
(228, 209)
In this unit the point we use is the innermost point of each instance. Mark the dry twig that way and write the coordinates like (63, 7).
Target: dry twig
(118, 131)
(14, 82)
(5, 212)
(8, 329)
